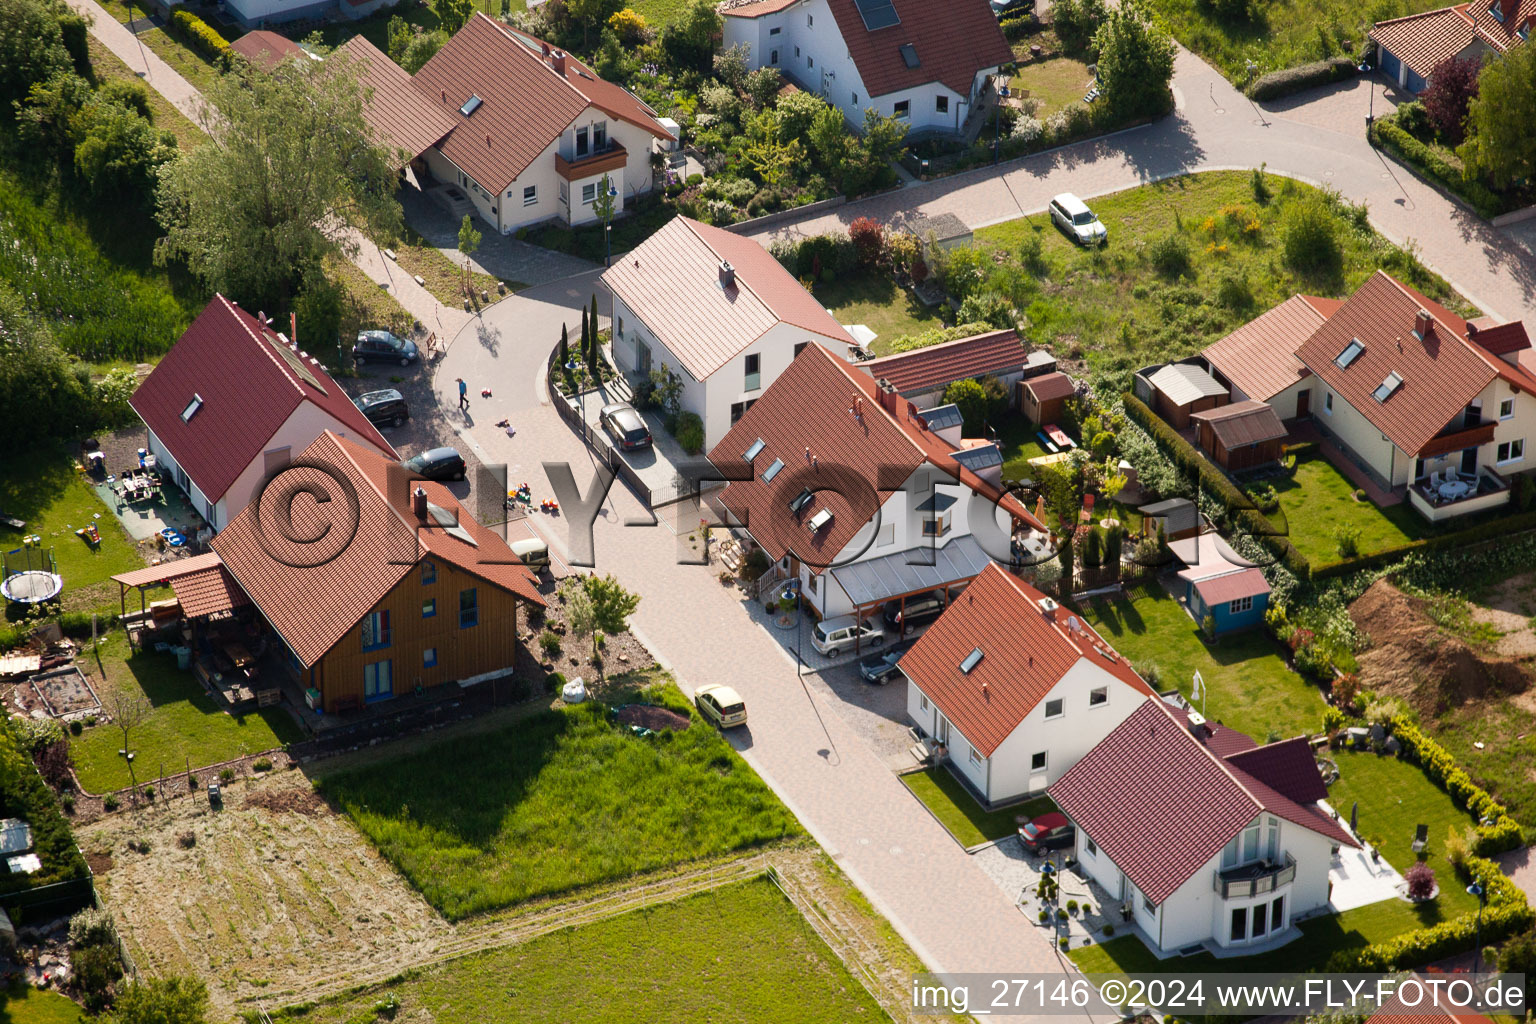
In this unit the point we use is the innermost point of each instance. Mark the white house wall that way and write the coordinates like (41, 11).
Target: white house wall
(1361, 436)
(1284, 403)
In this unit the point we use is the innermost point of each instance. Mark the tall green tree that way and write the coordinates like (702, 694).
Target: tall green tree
(565, 345)
(32, 48)
(1501, 143)
(423, 46)
(594, 348)
(612, 605)
(119, 153)
(452, 14)
(1135, 62)
(256, 215)
(398, 36)
(586, 338)
(689, 39)
(590, 14)
(971, 399)
(35, 375)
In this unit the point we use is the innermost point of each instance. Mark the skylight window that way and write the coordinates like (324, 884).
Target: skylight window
(754, 451)
(909, 54)
(1350, 354)
(773, 470)
(191, 409)
(820, 519)
(801, 500)
(971, 661)
(1388, 387)
(471, 105)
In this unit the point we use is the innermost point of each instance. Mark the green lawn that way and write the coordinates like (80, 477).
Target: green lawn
(958, 811)
(1114, 309)
(558, 801)
(1507, 733)
(1318, 500)
(1394, 796)
(183, 725)
(878, 303)
(1250, 686)
(1017, 437)
(45, 490)
(22, 1004)
(738, 953)
(1055, 83)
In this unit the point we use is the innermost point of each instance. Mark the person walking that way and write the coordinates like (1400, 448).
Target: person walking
(463, 395)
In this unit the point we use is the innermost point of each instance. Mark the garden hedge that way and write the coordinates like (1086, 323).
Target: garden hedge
(1502, 527)
(1496, 830)
(1302, 77)
(1244, 515)
(1388, 135)
(201, 35)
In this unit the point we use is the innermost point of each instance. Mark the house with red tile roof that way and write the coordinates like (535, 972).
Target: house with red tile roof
(505, 124)
(1408, 49)
(1015, 687)
(922, 374)
(721, 314)
(1205, 838)
(402, 589)
(267, 49)
(925, 63)
(858, 495)
(1424, 401)
(234, 401)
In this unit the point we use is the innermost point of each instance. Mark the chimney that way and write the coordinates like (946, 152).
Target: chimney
(889, 396)
(1424, 323)
(544, 47)
(727, 274)
(419, 503)
(858, 408)
(1471, 329)
(559, 62)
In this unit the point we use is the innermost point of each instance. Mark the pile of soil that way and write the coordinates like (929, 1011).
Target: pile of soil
(651, 717)
(1413, 659)
(298, 801)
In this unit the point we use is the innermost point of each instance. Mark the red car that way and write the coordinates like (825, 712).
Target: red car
(1048, 832)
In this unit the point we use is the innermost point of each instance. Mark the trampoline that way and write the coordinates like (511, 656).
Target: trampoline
(33, 586)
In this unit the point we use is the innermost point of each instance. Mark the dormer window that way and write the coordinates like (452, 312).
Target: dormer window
(1497, 10)
(1525, 32)
(192, 407)
(936, 514)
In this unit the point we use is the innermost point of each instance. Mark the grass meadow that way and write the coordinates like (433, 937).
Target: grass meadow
(560, 800)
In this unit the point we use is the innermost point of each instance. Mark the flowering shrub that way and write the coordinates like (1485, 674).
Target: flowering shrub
(1421, 881)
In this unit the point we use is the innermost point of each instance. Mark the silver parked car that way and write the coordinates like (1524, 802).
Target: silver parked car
(1072, 215)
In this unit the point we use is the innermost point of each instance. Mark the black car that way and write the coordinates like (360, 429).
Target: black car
(918, 610)
(437, 464)
(881, 668)
(625, 426)
(384, 408)
(384, 347)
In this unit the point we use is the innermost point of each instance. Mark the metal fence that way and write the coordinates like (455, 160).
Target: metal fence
(590, 434)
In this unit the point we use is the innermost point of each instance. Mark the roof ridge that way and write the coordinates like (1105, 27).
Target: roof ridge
(1221, 762)
(741, 282)
(264, 345)
(517, 38)
(901, 428)
(1452, 9)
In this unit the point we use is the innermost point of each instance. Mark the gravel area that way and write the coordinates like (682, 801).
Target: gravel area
(878, 714)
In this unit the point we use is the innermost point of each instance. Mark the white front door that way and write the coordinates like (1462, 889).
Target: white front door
(942, 732)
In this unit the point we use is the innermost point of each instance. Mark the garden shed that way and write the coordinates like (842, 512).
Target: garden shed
(1180, 390)
(1042, 398)
(1242, 435)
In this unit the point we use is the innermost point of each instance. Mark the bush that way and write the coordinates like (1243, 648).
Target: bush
(1170, 255)
(868, 237)
(95, 968)
(201, 36)
(1234, 292)
(549, 642)
(1413, 118)
(226, 774)
(1304, 76)
(1387, 135)
(1421, 881)
(1045, 915)
(92, 927)
(261, 764)
(1347, 541)
(1309, 237)
(109, 802)
(1076, 21)
(690, 432)
(1452, 86)
(1061, 913)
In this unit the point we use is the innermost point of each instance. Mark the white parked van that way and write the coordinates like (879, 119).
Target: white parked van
(834, 636)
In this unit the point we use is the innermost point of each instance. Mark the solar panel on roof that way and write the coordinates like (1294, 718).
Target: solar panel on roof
(909, 54)
(878, 13)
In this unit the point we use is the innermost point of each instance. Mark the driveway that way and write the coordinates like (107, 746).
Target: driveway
(499, 255)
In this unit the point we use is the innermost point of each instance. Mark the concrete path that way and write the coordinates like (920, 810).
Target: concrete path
(1318, 138)
(941, 902)
(157, 74)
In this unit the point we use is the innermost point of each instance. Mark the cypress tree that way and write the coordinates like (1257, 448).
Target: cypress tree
(565, 346)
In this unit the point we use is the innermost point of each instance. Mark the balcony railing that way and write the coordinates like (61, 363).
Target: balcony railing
(610, 157)
(1254, 879)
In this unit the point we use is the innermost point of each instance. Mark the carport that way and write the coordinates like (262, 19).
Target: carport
(872, 583)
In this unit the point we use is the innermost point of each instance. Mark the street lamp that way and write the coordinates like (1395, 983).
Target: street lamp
(1476, 889)
(613, 194)
(1365, 69)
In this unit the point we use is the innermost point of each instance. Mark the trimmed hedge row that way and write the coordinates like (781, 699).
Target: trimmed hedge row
(1388, 135)
(1303, 76)
(201, 36)
(1239, 506)
(1507, 914)
(1503, 832)
(1490, 530)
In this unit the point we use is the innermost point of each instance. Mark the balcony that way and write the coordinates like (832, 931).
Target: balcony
(1254, 879)
(1448, 494)
(611, 157)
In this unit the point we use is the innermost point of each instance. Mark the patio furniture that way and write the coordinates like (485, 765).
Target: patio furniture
(1420, 838)
(238, 654)
(1453, 489)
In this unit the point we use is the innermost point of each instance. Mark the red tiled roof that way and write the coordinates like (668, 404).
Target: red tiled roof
(954, 41)
(1502, 339)
(753, 8)
(399, 114)
(1052, 385)
(1232, 586)
(1502, 34)
(1441, 374)
(1259, 358)
(1289, 767)
(1026, 652)
(250, 383)
(1428, 1011)
(269, 49)
(1151, 771)
(1423, 41)
(672, 282)
(155, 575)
(1220, 740)
(865, 459)
(201, 583)
(933, 366)
(1243, 423)
(314, 606)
